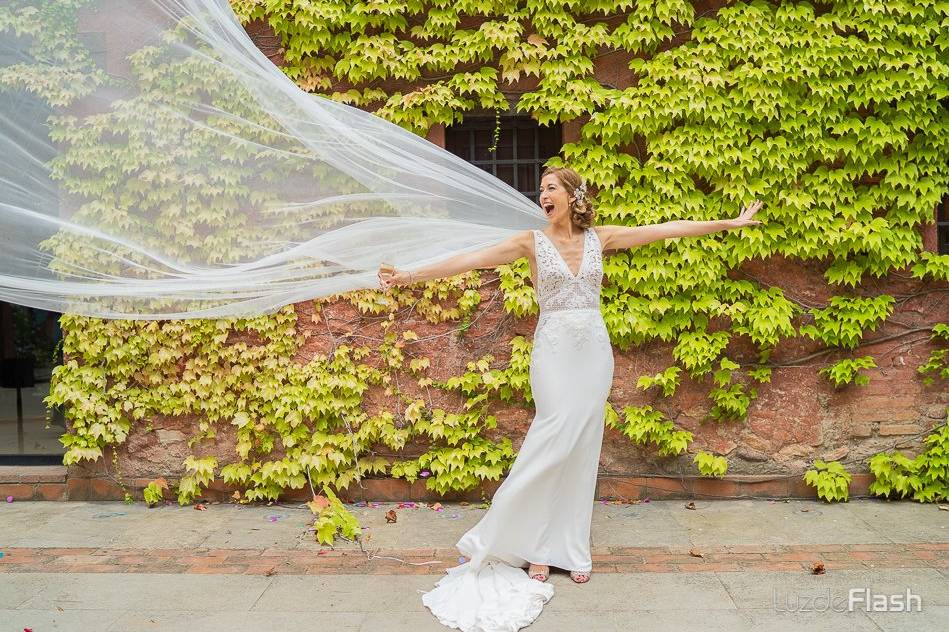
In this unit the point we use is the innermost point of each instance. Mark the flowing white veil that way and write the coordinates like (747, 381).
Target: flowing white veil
(154, 164)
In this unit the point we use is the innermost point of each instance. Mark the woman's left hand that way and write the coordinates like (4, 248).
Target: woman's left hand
(744, 218)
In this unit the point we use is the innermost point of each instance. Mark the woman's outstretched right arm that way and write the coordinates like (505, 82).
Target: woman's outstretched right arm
(506, 251)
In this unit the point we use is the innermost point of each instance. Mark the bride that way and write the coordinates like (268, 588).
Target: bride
(541, 513)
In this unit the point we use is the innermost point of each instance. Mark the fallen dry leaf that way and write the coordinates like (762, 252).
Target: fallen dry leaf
(695, 553)
(437, 506)
(690, 506)
(236, 495)
(943, 507)
(270, 572)
(804, 509)
(200, 507)
(817, 568)
(390, 516)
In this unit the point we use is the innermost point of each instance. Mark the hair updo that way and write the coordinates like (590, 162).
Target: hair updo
(581, 211)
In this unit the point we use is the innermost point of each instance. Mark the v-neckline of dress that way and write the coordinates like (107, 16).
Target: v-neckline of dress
(583, 254)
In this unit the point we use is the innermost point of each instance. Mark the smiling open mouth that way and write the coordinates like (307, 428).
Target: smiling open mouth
(548, 208)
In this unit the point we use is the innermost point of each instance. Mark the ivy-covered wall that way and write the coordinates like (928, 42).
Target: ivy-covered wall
(815, 336)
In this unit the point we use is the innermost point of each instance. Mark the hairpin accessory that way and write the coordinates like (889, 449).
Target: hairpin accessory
(581, 192)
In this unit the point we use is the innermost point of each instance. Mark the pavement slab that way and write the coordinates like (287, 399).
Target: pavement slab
(724, 565)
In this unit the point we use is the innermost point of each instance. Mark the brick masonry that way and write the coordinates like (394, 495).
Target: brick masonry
(798, 416)
(43, 482)
(54, 484)
(789, 558)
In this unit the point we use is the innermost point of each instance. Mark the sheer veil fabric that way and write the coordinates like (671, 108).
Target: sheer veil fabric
(154, 164)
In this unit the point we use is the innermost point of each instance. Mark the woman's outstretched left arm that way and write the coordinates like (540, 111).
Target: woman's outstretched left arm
(615, 237)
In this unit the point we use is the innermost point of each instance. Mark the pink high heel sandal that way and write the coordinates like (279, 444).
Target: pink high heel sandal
(541, 577)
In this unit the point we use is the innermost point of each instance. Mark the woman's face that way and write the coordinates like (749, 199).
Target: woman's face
(553, 197)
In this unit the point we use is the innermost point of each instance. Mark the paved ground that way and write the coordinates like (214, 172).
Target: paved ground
(724, 565)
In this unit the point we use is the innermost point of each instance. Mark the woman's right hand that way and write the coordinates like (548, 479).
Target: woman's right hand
(390, 276)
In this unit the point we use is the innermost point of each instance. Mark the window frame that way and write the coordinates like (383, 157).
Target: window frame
(514, 123)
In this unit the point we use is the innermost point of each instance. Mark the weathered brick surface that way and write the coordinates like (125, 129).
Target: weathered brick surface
(19, 491)
(799, 416)
(899, 429)
(32, 474)
(389, 490)
(778, 558)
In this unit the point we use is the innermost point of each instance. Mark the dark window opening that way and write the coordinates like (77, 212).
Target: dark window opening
(29, 351)
(96, 47)
(522, 149)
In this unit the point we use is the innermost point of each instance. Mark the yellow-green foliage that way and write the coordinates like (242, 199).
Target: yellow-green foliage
(924, 479)
(833, 114)
(668, 381)
(711, 464)
(646, 426)
(847, 371)
(153, 493)
(332, 518)
(831, 480)
(937, 365)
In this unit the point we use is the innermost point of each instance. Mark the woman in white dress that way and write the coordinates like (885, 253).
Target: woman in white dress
(540, 515)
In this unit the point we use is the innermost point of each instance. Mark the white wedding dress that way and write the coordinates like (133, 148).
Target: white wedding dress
(542, 511)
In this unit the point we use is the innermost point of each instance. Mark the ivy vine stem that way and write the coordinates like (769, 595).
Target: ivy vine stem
(795, 363)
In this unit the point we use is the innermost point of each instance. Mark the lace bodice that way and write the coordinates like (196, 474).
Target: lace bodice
(557, 288)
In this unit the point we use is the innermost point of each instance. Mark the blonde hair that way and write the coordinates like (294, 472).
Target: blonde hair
(581, 211)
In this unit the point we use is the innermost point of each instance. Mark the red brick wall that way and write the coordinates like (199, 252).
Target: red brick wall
(799, 416)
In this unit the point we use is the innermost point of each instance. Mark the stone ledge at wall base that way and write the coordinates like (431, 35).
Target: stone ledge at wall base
(39, 482)
(55, 483)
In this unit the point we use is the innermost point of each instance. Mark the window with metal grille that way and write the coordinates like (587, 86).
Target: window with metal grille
(95, 45)
(523, 148)
(942, 227)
